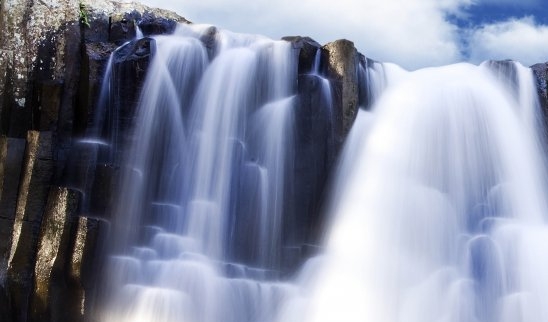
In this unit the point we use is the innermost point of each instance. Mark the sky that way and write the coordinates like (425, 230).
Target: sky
(410, 33)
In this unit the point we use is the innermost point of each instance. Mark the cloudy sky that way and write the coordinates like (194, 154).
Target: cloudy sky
(411, 33)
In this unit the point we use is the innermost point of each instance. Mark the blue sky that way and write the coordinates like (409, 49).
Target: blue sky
(493, 11)
(411, 33)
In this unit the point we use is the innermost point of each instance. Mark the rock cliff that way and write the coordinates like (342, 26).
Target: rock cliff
(53, 56)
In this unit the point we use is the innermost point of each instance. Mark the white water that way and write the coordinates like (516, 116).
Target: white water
(438, 214)
(441, 211)
(199, 214)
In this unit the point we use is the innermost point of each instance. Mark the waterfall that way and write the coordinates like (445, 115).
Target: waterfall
(437, 210)
(440, 214)
(197, 227)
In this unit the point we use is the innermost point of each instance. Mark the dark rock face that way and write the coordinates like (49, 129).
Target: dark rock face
(321, 127)
(129, 67)
(208, 39)
(541, 75)
(308, 49)
(123, 27)
(51, 71)
(153, 24)
(315, 154)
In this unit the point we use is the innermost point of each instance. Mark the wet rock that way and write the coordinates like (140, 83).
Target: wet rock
(80, 157)
(154, 24)
(6, 69)
(246, 224)
(540, 71)
(49, 94)
(39, 50)
(342, 66)
(116, 22)
(5, 312)
(11, 160)
(363, 86)
(123, 27)
(102, 189)
(209, 40)
(94, 64)
(130, 64)
(314, 157)
(308, 49)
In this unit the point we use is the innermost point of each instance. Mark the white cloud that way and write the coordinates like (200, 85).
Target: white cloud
(411, 33)
(518, 39)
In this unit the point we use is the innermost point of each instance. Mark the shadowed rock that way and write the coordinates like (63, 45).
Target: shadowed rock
(541, 75)
(308, 49)
(11, 161)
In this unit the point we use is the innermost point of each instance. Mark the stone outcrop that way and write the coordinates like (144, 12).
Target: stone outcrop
(322, 127)
(342, 66)
(53, 55)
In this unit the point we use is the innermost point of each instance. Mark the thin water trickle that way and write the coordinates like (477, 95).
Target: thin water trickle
(138, 31)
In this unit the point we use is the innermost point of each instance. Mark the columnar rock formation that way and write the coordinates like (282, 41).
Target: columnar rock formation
(52, 60)
(53, 56)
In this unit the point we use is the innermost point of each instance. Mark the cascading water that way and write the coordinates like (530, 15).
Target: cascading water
(441, 215)
(438, 215)
(197, 228)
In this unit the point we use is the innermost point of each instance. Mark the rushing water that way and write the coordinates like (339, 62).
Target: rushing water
(441, 211)
(438, 212)
(203, 184)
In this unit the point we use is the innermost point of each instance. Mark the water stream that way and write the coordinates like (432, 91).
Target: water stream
(438, 211)
(197, 228)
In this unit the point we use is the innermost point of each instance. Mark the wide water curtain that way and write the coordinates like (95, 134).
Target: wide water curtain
(198, 217)
(442, 216)
(438, 210)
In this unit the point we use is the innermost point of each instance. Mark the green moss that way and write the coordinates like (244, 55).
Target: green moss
(83, 15)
